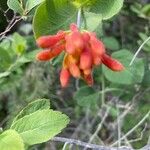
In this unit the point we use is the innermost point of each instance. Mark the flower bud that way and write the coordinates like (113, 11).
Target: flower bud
(73, 27)
(64, 77)
(111, 63)
(58, 49)
(86, 36)
(89, 79)
(74, 70)
(44, 55)
(77, 40)
(85, 60)
(70, 49)
(87, 71)
(96, 60)
(96, 45)
(49, 40)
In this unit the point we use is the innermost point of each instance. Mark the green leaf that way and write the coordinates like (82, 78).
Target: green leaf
(4, 74)
(26, 58)
(82, 3)
(5, 43)
(40, 126)
(16, 6)
(52, 16)
(23, 7)
(111, 43)
(132, 74)
(10, 139)
(107, 8)
(92, 21)
(86, 96)
(5, 59)
(18, 44)
(30, 4)
(32, 107)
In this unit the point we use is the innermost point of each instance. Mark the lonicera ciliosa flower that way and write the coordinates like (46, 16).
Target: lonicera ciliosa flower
(83, 50)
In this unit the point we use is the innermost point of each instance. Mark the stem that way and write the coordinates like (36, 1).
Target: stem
(118, 126)
(84, 19)
(103, 90)
(79, 18)
(133, 129)
(139, 49)
(87, 145)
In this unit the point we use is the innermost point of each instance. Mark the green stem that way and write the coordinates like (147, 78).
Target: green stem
(84, 18)
(79, 18)
(103, 90)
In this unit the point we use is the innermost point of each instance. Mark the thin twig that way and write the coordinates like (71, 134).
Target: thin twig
(133, 129)
(118, 126)
(103, 89)
(141, 135)
(12, 23)
(100, 125)
(87, 145)
(139, 49)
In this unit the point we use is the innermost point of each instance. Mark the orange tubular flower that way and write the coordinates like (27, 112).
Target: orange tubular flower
(74, 70)
(50, 40)
(64, 77)
(44, 55)
(111, 63)
(69, 46)
(83, 52)
(85, 60)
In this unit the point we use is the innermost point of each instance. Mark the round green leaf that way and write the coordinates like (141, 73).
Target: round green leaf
(107, 8)
(111, 43)
(23, 7)
(132, 74)
(40, 126)
(10, 139)
(53, 15)
(30, 4)
(32, 107)
(16, 6)
(92, 21)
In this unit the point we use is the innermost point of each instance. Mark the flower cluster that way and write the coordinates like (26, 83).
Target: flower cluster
(82, 50)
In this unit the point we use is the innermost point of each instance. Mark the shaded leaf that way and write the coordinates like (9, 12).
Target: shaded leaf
(111, 43)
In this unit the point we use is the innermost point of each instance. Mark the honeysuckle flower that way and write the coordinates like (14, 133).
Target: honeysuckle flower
(83, 50)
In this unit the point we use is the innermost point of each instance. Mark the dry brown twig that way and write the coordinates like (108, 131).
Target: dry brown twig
(15, 19)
